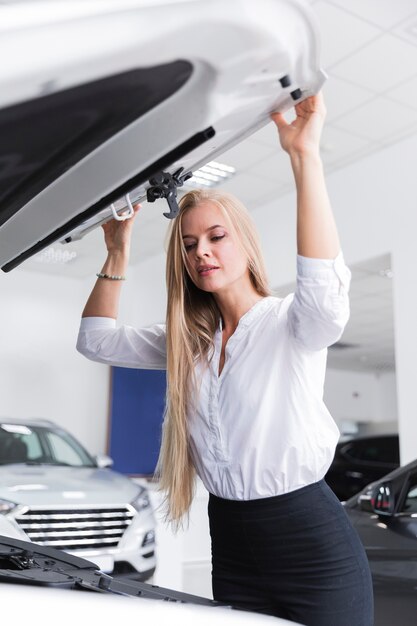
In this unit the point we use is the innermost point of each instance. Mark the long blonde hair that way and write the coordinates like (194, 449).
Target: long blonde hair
(191, 322)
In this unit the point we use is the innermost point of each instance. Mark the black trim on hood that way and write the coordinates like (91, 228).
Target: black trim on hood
(43, 138)
(140, 178)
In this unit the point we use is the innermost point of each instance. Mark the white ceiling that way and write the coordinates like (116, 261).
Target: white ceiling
(369, 50)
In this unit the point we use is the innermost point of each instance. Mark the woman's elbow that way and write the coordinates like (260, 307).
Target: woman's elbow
(321, 335)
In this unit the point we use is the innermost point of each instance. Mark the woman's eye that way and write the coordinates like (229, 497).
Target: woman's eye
(189, 247)
(217, 237)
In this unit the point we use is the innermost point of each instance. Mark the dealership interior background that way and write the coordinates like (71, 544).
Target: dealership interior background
(368, 148)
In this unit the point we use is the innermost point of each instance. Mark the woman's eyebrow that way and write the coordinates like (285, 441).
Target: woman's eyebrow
(208, 229)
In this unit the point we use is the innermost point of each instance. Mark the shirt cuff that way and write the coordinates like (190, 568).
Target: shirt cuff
(93, 323)
(308, 267)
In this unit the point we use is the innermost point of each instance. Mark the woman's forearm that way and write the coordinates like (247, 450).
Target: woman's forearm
(317, 235)
(316, 229)
(105, 296)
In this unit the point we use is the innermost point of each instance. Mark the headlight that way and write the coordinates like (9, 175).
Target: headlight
(6, 506)
(141, 501)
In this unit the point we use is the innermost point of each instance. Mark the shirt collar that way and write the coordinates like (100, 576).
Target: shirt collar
(255, 311)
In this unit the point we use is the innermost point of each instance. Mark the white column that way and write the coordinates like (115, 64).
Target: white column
(405, 323)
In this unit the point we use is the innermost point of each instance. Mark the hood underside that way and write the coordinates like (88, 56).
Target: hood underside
(145, 88)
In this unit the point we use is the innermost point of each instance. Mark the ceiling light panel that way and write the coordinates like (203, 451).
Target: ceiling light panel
(211, 175)
(55, 256)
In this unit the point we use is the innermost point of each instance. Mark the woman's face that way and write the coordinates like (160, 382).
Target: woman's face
(215, 261)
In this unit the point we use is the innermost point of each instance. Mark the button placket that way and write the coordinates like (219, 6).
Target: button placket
(217, 381)
(213, 408)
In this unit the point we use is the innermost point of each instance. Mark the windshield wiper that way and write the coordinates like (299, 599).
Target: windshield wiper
(50, 463)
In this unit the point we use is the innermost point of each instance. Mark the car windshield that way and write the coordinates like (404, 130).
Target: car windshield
(41, 445)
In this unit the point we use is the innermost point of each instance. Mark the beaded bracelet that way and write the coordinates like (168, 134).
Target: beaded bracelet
(110, 277)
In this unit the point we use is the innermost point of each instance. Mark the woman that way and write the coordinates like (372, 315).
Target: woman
(245, 385)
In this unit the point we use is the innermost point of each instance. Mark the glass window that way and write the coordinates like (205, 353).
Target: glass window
(66, 450)
(40, 444)
(383, 450)
(33, 445)
(410, 502)
(62, 451)
(18, 444)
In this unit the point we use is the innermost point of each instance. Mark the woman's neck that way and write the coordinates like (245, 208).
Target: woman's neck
(233, 306)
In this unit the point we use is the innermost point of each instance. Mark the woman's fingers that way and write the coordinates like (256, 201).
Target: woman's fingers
(118, 232)
(312, 104)
(304, 132)
(279, 120)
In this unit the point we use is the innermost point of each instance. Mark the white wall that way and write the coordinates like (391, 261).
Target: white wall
(145, 301)
(41, 374)
(362, 398)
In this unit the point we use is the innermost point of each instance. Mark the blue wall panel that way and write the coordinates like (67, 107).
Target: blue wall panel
(137, 407)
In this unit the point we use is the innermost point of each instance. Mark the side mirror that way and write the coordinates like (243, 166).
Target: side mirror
(382, 499)
(102, 461)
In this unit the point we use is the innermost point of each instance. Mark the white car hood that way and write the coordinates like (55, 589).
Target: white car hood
(40, 485)
(147, 87)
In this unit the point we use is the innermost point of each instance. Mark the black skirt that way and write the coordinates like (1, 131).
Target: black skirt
(294, 556)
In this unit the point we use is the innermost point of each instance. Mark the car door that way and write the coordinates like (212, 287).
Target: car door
(364, 461)
(391, 546)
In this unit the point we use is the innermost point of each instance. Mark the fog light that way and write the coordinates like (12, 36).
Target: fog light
(148, 538)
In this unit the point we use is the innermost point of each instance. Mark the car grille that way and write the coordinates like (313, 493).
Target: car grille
(76, 529)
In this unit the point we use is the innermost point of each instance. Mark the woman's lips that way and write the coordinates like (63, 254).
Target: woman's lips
(207, 271)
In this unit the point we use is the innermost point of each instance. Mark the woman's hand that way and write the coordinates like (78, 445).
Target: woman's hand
(117, 234)
(302, 136)
(104, 298)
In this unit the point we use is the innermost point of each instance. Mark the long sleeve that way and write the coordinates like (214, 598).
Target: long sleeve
(143, 348)
(320, 307)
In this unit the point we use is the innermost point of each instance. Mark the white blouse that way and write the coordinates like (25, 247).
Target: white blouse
(261, 428)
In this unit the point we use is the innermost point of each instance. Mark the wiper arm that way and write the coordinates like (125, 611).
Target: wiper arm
(48, 463)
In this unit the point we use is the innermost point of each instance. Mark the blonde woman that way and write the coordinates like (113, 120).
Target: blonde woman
(245, 383)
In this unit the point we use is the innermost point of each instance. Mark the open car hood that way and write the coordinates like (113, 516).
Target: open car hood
(98, 98)
(26, 567)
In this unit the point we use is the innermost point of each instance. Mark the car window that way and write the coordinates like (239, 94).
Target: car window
(19, 445)
(410, 502)
(62, 451)
(374, 450)
(39, 444)
(33, 446)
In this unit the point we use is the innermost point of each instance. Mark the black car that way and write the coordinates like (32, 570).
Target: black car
(360, 461)
(385, 516)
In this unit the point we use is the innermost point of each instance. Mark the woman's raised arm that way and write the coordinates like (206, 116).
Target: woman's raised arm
(317, 235)
(105, 296)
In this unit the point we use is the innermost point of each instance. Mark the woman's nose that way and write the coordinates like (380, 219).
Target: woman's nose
(202, 249)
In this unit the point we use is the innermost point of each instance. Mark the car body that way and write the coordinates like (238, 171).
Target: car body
(385, 516)
(133, 89)
(54, 493)
(28, 569)
(77, 606)
(360, 461)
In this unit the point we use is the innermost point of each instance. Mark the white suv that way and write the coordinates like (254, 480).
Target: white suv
(54, 493)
